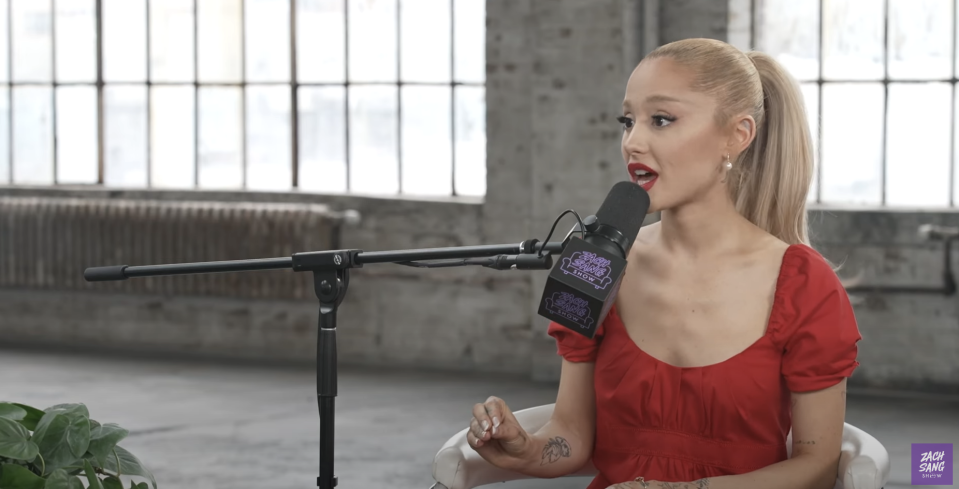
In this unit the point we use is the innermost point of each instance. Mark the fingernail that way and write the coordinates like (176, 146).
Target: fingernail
(485, 425)
(495, 422)
(494, 429)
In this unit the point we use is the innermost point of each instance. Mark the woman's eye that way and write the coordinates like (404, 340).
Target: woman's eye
(625, 121)
(662, 120)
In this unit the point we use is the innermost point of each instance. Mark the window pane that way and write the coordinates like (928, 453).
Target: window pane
(323, 139)
(124, 40)
(125, 136)
(268, 138)
(373, 140)
(853, 32)
(171, 41)
(739, 26)
(955, 136)
(33, 135)
(372, 61)
(810, 93)
(427, 154)
(221, 137)
(76, 41)
(4, 134)
(425, 41)
(32, 41)
(4, 42)
(220, 36)
(77, 135)
(852, 143)
(320, 41)
(789, 31)
(267, 40)
(917, 158)
(171, 137)
(470, 42)
(920, 39)
(470, 141)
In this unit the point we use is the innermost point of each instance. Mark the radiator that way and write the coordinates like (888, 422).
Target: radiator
(46, 243)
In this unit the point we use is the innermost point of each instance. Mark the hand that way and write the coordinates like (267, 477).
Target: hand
(637, 484)
(496, 435)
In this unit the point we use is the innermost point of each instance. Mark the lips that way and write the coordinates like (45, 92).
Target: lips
(642, 175)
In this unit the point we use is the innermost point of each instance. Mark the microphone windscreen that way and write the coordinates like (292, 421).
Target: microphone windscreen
(625, 209)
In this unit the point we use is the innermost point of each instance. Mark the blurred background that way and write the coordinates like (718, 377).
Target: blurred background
(161, 131)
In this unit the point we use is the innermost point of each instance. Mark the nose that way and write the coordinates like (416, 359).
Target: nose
(635, 140)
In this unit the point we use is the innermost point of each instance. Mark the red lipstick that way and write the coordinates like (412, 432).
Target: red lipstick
(642, 175)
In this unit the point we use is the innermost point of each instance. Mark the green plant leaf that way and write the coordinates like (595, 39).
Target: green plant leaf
(103, 439)
(142, 485)
(92, 478)
(129, 465)
(77, 409)
(112, 483)
(62, 438)
(15, 441)
(60, 479)
(18, 477)
(12, 411)
(32, 418)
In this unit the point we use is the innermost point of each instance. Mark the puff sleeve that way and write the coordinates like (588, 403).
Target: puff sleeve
(818, 330)
(575, 347)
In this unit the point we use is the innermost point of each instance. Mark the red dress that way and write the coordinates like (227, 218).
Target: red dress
(676, 424)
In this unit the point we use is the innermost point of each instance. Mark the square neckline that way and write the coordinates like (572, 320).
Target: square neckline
(766, 332)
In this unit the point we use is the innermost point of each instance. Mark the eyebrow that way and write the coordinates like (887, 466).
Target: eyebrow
(656, 98)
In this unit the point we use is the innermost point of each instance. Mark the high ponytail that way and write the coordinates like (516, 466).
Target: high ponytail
(769, 182)
(777, 168)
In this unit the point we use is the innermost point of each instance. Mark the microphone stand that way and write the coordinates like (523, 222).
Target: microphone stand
(331, 278)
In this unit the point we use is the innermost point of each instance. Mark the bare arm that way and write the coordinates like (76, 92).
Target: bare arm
(562, 446)
(565, 443)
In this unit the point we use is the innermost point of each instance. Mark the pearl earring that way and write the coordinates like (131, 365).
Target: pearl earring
(729, 165)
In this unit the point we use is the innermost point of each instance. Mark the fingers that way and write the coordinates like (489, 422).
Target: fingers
(483, 421)
(497, 412)
(479, 434)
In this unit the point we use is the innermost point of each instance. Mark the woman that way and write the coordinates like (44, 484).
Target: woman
(728, 330)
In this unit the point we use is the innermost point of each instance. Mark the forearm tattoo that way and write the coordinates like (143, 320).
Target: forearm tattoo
(700, 484)
(555, 449)
(804, 442)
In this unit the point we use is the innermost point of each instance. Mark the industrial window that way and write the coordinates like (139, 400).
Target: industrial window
(879, 78)
(389, 95)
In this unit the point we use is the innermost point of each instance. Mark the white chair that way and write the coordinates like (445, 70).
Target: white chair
(863, 463)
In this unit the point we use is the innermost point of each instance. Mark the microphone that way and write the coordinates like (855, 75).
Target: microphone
(932, 232)
(582, 286)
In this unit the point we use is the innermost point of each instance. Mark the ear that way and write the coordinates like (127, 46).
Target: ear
(742, 134)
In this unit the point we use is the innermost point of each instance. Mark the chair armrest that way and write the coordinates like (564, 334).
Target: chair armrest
(863, 462)
(458, 466)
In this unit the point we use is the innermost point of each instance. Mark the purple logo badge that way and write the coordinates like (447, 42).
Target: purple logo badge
(932, 464)
(589, 267)
(567, 305)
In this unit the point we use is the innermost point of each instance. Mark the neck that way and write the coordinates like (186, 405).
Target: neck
(704, 228)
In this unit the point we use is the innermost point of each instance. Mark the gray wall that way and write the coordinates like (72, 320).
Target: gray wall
(555, 76)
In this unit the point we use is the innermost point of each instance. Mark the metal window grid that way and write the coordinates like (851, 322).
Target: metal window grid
(294, 85)
(820, 80)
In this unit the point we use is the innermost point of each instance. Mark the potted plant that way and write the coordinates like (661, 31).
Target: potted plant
(62, 448)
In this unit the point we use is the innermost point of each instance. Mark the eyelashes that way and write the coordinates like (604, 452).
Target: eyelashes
(656, 120)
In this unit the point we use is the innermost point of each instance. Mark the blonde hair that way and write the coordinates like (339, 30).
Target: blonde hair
(770, 180)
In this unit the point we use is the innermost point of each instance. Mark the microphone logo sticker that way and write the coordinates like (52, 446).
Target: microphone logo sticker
(567, 305)
(588, 267)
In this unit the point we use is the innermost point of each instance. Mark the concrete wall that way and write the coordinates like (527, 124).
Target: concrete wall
(556, 70)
